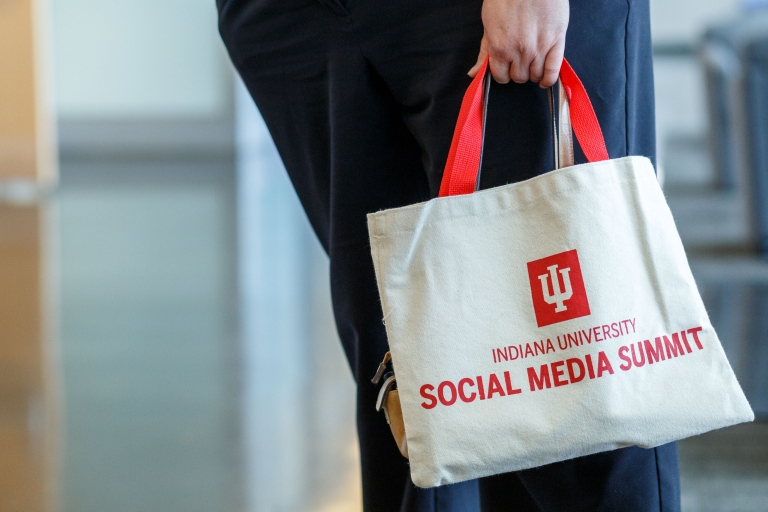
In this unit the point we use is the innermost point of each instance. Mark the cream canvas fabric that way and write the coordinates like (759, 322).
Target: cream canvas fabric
(545, 320)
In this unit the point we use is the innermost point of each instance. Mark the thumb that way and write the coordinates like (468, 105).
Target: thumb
(481, 57)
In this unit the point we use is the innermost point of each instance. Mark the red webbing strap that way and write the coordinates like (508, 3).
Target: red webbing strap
(583, 118)
(464, 156)
(462, 166)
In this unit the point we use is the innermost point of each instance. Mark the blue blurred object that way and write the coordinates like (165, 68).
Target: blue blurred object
(757, 135)
(736, 68)
(753, 5)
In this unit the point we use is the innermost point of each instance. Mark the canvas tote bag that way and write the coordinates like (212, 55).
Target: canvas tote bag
(547, 319)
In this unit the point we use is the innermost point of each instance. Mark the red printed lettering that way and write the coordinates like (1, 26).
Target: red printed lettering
(590, 366)
(462, 394)
(673, 348)
(448, 392)
(539, 381)
(572, 375)
(603, 364)
(480, 388)
(695, 331)
(508, 381)
(627, 364)
(558, 372)
(655, 352)
(425, 389)
(685, 342)
(641, 361)
(441, 392)
(664, 347)
(494, 386)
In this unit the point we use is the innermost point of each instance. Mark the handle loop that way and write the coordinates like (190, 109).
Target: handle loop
(463, 164)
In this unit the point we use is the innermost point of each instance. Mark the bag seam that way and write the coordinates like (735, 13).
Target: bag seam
(540, 177)
(498, 212)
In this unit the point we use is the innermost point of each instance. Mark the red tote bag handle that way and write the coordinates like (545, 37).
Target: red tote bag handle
(463, 163)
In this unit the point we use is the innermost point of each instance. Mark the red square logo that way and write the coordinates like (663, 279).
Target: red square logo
(557, 288)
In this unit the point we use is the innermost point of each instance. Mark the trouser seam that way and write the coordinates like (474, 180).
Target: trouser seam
(626, 81)
(658, 478)
(338, 7)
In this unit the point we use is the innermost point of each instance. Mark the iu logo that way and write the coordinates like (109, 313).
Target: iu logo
(557, 288)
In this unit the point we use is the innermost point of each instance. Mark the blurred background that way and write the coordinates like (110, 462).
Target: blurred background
(166, 338)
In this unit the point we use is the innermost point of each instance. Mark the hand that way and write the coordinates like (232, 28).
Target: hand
(525, 38)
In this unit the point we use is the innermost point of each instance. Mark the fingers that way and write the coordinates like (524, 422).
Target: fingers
(551, 67)
(514, 64)
(499, 68)
(522, 62)
(536, 70)
(481, 57)
(525, 39)
(507, 66)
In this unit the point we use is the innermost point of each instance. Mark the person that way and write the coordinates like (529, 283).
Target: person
(361, 98)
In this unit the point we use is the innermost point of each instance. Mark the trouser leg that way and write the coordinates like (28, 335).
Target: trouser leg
(348, 152)
(631, 479)
(505, 493)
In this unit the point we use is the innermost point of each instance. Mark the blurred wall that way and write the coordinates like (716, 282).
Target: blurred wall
(677, 26)
(145, 214)
(26, 122)
(681, 106)
(117, 59)
(29, 398)
(683, 21)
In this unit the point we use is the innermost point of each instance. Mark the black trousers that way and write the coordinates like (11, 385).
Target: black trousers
(361, 98)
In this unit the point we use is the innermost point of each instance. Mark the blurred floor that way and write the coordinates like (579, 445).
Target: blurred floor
(148, 336)
(727, 470)
(159, 409)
